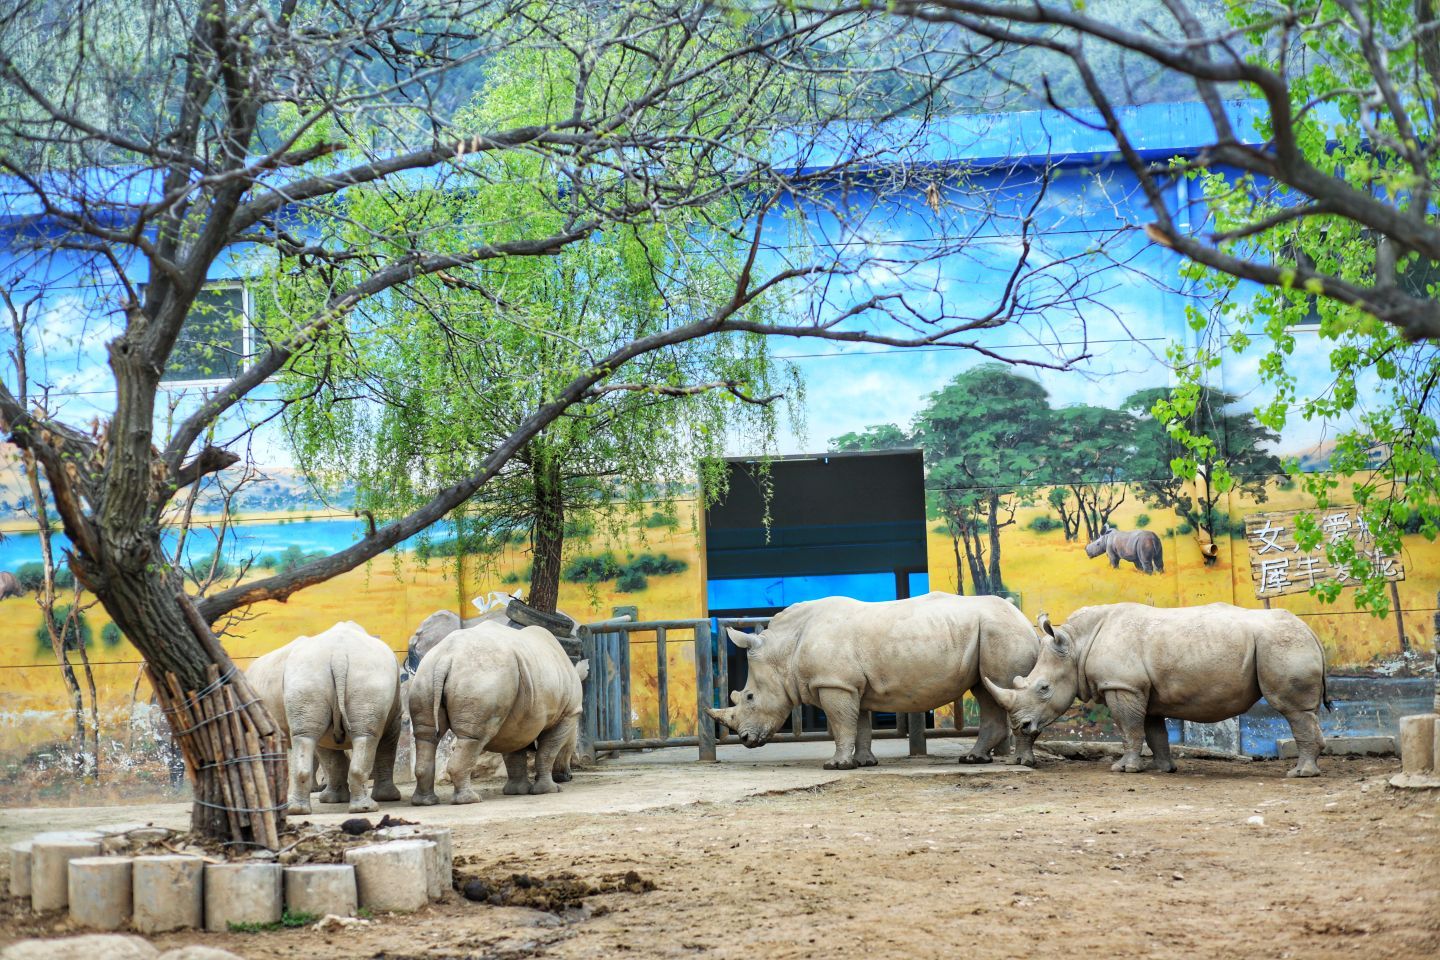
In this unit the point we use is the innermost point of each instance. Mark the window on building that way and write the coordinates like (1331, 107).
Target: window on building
(215, 340)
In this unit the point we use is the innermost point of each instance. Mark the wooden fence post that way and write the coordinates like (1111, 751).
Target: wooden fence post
(704, 686)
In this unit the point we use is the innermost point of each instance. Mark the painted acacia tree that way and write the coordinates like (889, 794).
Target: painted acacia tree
(228, 135)
(1328, 208)
(536, 322)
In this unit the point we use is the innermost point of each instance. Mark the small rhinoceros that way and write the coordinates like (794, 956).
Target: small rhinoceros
(849, 657)
(1203, 664)
(335, 691)
(498, 689)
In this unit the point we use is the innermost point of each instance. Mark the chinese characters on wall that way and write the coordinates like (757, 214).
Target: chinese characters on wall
(1278, 566)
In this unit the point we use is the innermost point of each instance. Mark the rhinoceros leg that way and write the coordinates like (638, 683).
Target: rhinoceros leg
(1308, 742)
(566, 755)
(864, 756)
(1159, 739)
(385, 788)
(336, 768)
(424, 795)
(1128, 709)
(517, 774)
(302, 767)
(462, 762)
(994, 726)
(362, 761)
(551, 743)
(842, 709)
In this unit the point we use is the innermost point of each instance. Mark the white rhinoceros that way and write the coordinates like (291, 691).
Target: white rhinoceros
(498, 689)
(336, 691)
(1202, 664)
(849, 657)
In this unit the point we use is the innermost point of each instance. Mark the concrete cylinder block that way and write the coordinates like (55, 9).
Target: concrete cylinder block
(1417, 743)
(167, 893)
(242, 893)
(20, 869)
(392, 876)
(321, 889)
(100, 892)
(442, 877)
(50, 869)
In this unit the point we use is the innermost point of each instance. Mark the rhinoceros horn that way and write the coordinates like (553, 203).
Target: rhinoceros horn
(1003, 696)
(722, 716)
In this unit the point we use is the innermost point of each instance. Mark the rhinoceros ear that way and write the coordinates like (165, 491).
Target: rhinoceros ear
(1044, 622)
(743, 640)
(583, 668)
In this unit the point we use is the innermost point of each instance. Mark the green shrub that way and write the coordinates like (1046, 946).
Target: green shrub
(1045, 523)
(110, 635)
(72, 633)
(32, 576)
(661, 519)
(656, 564)
(631, 581)
(592, 568)
(521, 575)
(1184, 528)
(1143, 520)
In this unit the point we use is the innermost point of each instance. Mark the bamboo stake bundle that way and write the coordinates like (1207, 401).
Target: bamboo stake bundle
(233, 750)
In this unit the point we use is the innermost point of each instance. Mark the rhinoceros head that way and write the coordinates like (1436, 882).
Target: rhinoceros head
(1037, 699)
(763, 706)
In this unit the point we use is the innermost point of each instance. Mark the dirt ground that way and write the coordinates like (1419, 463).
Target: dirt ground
(919, 859)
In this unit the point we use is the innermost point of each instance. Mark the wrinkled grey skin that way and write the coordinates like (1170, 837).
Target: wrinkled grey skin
(849, 658)
(1203, 664)
(9, 586)
(338, 690)
(432, 630)
(1140, 547)
(501, 690)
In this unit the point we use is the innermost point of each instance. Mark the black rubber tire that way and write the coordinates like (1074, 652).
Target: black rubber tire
(556, 623)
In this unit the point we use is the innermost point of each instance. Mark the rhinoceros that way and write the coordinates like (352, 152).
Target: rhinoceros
(502, 690)
(849, 657)
(1140, 547)
(337, 690)
(10, 585)
(432, 630)
(1202, 664)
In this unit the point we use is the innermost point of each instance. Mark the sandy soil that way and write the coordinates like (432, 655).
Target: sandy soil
(916, 859)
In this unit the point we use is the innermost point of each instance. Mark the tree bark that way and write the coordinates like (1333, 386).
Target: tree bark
(997, 583)
(549, 535)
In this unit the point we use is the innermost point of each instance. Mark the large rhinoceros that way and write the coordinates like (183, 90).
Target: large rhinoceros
(849, 657)
(336, 691)
(1203, 664)
(502, 690)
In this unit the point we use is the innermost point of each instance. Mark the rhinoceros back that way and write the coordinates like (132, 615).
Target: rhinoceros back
(905, 655)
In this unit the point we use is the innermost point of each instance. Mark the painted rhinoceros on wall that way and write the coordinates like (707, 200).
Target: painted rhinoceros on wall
(1203, 664)
(10, 585)
(501, 690)
(849, 657)
(1140, 547)
(338, 690)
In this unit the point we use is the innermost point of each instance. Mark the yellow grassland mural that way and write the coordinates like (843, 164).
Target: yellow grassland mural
(389, 597)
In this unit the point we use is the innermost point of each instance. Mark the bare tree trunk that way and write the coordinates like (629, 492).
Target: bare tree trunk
(997, 583)
(46, 600)
(959, 568)
(93, 752)
(549, 536)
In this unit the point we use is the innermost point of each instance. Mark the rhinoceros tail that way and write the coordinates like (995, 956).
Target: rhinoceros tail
(437, 692)
(340, 674)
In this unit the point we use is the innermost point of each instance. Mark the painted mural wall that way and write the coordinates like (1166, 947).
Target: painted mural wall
(1029, 462)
